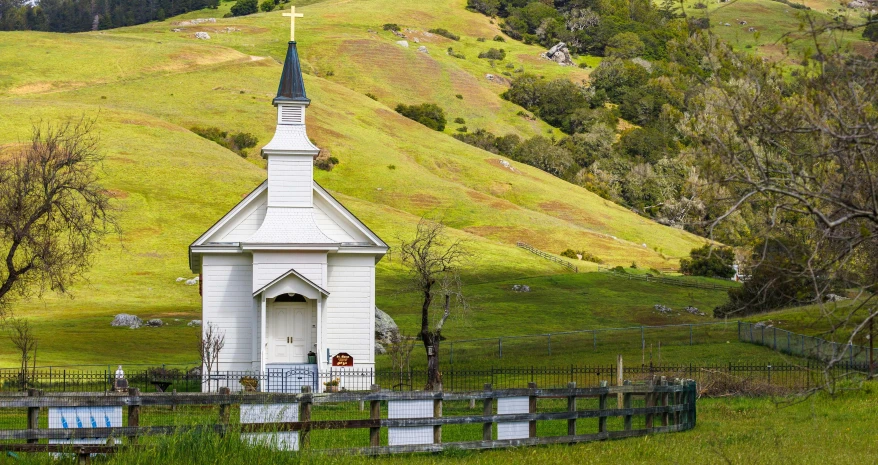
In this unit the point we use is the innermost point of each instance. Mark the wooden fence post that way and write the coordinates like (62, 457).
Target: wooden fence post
(626, 403)
(488, 411)
(532, 408)
(225, 407)
(649, 400)
(664, 401)
(33, 414)
(602, 405)
(571, 407)
(375, 414)
(133, 414)
(437, 413)
(305, 415)
(620, 376)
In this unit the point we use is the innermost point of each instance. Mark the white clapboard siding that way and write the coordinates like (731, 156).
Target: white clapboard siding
(247, 226)
(269, 265)
(290, 181)
(350, 308)
(228, 303)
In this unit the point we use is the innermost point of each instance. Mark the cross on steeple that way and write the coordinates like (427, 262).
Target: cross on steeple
(293, 15)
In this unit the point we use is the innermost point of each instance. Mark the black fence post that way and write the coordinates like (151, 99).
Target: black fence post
(375, 414)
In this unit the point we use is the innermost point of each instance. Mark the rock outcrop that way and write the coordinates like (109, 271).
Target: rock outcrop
(559, 54)
(386, 329)
(124, 319)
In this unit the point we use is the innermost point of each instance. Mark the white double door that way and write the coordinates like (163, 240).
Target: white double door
(289, 332)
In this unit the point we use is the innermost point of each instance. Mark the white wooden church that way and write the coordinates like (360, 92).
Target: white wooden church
(289, 270)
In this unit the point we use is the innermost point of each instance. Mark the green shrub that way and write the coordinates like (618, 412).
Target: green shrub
(244, 7)
(499, 38)
(480, 39)
(462, 129)
(455, 54)
(494, 54)
(709, 261)
(371, 96)
(391, 27)
(619, 269)
(428, 114)
(570, 253)
(459, 96)
(391, 167)
(267, 5)
(870, 32)
(459, 120)
(244, 140)
(444, 33)
(633, 265)
(237, 142)
(485, 7)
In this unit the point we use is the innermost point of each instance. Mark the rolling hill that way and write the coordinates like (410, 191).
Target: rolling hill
(148, 85)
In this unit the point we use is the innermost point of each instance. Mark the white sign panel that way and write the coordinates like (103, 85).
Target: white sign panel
(516, 429)
(84, 417)
(271, 413)
(404, 436)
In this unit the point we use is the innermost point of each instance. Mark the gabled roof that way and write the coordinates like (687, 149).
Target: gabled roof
(318, 189)
(201, 243)
(295, 273)
(292, 87)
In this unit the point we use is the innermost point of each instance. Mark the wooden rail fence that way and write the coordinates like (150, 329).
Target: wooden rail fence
(548, 256)
(663, 280)
(667, 407)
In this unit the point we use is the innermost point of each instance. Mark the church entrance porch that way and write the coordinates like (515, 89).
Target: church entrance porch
(292, 328)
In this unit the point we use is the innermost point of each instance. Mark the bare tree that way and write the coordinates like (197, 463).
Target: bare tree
(53, 211)
(25, 342)
(434, 265)
(795, 161)
(400, 351)
(213, 340)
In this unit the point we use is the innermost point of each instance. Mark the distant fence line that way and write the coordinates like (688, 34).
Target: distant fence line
(548, 256)
(663, 280)
(801, 345)
(678, 334)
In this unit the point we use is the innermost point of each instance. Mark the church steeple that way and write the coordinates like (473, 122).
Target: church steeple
(290, 154)
(292, 87)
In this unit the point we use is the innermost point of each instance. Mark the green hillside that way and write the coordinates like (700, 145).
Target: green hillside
(147, 86)
(778, 31)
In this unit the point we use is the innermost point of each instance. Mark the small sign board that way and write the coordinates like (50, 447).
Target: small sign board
(342, 359)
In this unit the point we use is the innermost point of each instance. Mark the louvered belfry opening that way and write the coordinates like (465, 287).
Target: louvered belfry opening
(291, 114)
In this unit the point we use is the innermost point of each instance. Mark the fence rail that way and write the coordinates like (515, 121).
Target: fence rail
(781, 340)
(655, 407)
(663, 280)
(548, 256)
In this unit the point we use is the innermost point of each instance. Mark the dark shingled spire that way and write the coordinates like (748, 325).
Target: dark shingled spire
(292, 87)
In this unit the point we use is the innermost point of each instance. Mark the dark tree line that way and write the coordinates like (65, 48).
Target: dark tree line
(87, 15)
